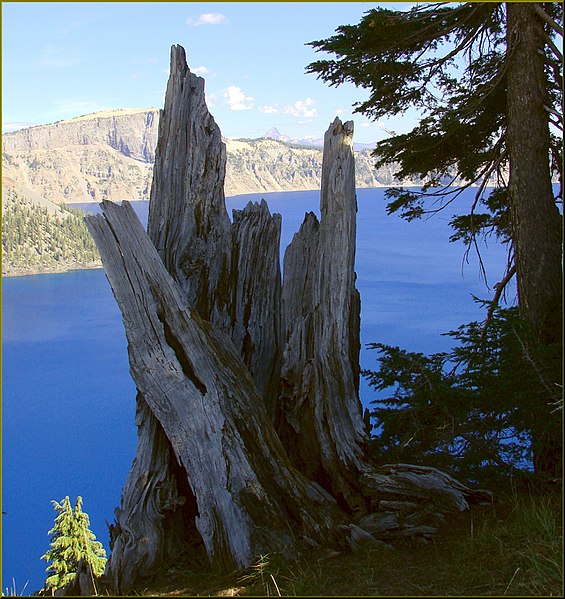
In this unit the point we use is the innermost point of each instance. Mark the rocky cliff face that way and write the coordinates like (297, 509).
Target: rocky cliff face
(133, 133)
(106, 155)
(110, 156)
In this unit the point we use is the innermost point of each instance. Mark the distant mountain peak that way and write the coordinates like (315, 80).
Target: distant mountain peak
(274, 133)
(310, 140)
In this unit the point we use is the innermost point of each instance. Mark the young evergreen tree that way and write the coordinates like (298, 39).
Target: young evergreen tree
(71, 541)
(468, 409)
(487, 80)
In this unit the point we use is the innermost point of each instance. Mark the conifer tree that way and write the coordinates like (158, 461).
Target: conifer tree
(485, 118)
(71, 541)
(487, 80)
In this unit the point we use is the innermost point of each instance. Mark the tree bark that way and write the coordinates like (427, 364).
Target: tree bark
(535, 218)
(225, 360)
(320, 323)
(536, 222)
(195, 383)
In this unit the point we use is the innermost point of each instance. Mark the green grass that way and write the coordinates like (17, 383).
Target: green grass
(529, 542)
(512, 548)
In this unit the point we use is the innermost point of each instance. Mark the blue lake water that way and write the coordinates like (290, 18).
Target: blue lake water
(68, 400)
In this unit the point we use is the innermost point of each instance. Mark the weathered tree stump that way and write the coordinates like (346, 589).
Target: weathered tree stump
(246, 492)
(321, 420)
(250, 430)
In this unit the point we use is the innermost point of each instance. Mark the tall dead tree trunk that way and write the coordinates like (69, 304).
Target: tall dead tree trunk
(225, 360)
(189, 226)
(321, 322)
(188, 222)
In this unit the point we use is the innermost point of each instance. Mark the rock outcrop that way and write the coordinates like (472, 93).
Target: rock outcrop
(132, 132)
(106, 155)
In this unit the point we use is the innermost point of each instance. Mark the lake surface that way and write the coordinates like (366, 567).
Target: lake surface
(68, 400)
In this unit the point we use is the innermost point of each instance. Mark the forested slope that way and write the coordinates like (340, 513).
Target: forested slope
(38, 239)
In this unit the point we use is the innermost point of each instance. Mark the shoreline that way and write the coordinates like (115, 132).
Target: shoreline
(232, 194)
(54, 271)
(34, 271)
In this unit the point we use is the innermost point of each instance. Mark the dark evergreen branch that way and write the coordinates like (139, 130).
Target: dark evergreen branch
(443, 33)
(554, 113)
(547, 19)
(553, 48)
(486, 449)
(499, 290)
(533, 364)
(485, 175)
(556, 150)
(555, 69)
(482, 269)
(440, 62)
(557, 124)
(435, 66)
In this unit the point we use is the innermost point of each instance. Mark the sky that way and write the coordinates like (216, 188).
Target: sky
(65, 59)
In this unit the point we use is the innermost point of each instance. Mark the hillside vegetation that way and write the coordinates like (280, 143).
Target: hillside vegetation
(35, 240)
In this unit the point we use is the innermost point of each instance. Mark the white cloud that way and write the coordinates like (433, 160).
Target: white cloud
(301, 108)
(270, 109)
(236, 99)
(208, 18)
(199, 70)
(52, 57)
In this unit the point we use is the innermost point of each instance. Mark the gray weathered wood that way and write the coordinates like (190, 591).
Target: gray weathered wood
(249, 421)
(188, 222)
(410, 482)
(199, 389)
(320, 322)
(155, 522)
(255, 284)
(189, 226)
